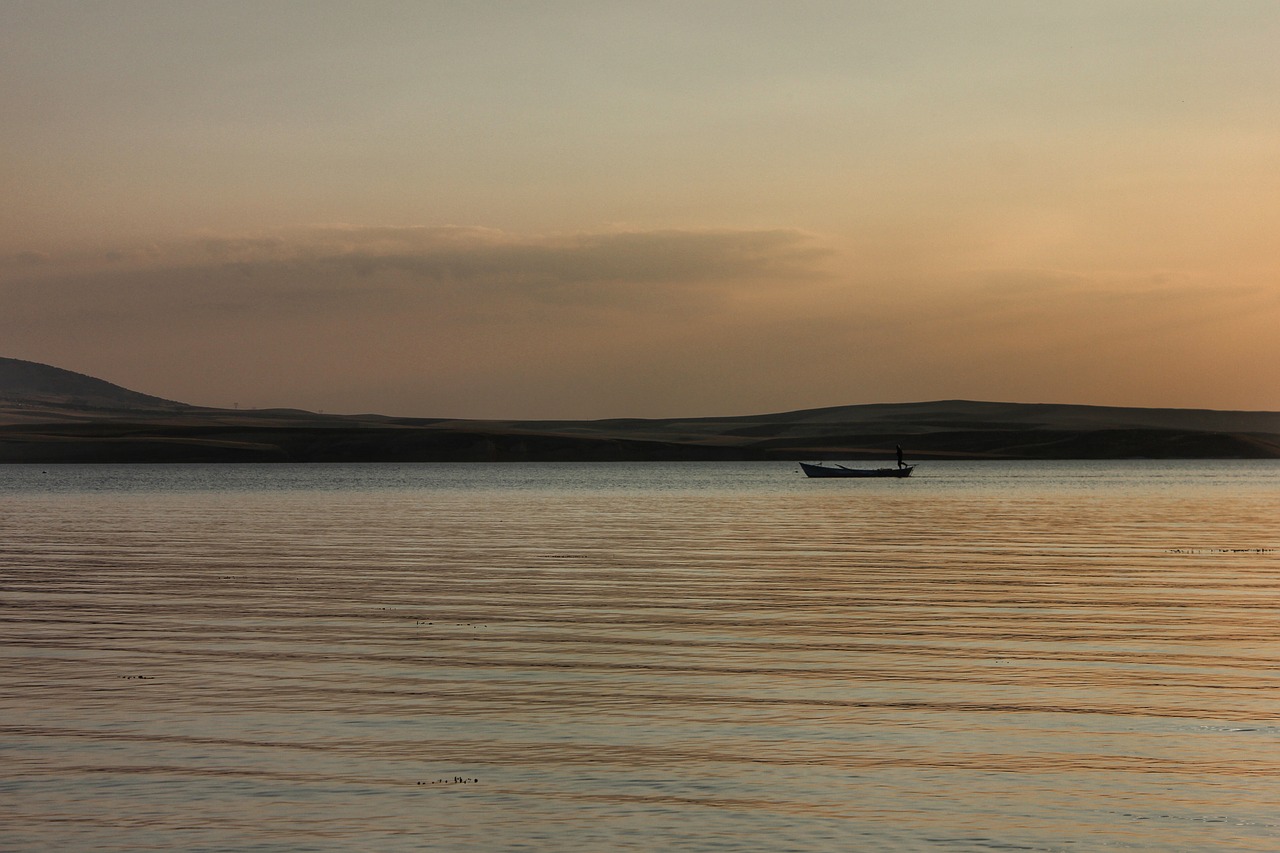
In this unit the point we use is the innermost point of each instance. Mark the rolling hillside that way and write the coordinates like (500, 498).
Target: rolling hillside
(53, 415)
(33, 391)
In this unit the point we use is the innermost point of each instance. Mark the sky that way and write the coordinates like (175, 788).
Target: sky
(644, 209)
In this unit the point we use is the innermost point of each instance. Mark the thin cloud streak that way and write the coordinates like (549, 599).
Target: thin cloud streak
(473, 257)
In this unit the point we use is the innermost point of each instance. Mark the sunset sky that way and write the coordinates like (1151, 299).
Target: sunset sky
(615, 209)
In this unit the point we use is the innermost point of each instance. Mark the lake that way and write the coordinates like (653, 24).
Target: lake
(588, 657)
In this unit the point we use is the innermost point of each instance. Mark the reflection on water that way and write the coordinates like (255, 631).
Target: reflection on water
(640, 657)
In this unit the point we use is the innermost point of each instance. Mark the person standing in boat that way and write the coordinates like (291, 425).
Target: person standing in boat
(901, 464)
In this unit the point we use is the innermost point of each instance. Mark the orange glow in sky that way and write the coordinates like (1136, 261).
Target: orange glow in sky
(578, 210)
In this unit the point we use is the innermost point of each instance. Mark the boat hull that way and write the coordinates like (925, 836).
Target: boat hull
(825, 471)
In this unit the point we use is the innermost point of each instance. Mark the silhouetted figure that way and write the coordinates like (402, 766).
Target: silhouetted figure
(901, 464)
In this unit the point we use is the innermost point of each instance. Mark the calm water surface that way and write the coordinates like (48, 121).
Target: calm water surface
(1026, 656)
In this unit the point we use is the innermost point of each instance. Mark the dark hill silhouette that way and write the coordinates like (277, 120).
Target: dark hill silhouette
(964, 414)
(52, 415)
(34, 385)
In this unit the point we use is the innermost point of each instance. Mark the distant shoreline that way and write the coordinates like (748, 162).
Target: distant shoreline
(125, 441)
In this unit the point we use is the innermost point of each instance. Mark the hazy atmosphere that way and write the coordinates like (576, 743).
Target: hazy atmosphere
(587, 210)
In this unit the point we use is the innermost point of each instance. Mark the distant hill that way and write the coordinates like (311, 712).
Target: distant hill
(52, 415)
(967, 414)
(34, 386)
